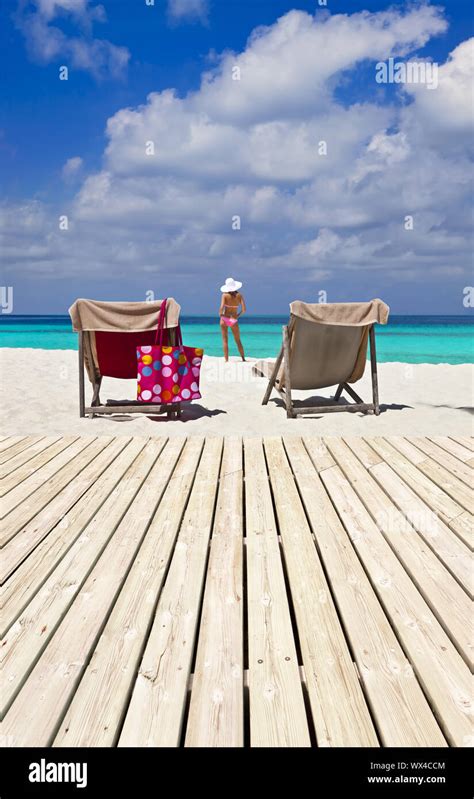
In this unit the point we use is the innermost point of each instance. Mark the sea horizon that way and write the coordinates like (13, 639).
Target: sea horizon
(407, 338)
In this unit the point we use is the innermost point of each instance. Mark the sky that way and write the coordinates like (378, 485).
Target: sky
(195, 140)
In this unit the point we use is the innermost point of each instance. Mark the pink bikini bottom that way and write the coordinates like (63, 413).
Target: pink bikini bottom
(228, 321)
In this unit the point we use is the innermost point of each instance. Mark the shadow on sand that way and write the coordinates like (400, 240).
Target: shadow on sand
(189, 414)
(319, 400)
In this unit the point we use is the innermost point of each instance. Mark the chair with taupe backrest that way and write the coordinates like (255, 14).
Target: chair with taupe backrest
(109, 333)
(325, 344)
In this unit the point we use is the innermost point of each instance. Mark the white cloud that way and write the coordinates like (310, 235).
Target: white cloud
(47, 42)
(72, 167)
(188, 10)
(446, 114)
(290, 68)
(252, 148)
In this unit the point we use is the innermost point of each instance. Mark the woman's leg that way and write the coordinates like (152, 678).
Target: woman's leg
(225, 340)
(236, 332)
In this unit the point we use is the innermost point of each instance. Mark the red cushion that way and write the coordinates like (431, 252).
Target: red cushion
(117, 352)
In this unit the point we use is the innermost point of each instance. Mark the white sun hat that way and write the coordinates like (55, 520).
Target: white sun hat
(231, 285)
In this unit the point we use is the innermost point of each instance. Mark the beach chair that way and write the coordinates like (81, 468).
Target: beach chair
(325, 344)
(109, 333)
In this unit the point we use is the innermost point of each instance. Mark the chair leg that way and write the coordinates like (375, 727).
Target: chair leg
(273, 378)
(353, 394)
(96, 392)
(286, 350)
(373, 369)
(174, 412)
(82, 401)
(337, 395)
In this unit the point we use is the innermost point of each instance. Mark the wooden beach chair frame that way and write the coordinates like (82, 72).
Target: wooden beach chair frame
(293, 412)
(97, 409)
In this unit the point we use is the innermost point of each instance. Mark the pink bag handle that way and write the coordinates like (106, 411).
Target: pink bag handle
(161, 326)
(161, 320)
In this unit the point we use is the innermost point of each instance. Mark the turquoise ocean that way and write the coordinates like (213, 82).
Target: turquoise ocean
(409, 339)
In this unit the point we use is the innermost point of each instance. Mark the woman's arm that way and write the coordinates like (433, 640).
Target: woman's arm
(221, 309)
(242, 303)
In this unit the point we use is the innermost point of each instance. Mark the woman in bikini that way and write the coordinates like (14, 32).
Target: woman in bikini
(229, 314)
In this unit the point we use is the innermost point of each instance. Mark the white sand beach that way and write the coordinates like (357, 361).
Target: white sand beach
(39, 395)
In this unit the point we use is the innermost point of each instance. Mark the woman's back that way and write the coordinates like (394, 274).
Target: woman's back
(231, 303)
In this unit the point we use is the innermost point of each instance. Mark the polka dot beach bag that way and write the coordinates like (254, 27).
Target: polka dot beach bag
(168, 375)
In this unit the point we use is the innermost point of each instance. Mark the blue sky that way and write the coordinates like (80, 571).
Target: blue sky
(164, 223)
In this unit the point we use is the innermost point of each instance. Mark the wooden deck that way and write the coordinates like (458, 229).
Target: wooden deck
(195, 592)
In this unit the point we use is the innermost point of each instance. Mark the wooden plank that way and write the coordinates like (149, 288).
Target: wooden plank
(458, 468)
(277, 709)
(65, 660)
(65, 450)
(438, 474)
(314, 410)
(464, 441)
(12, 445)
(9, 441)
(29, 635)
(156, 710)
(463, 526)
(104, 475)
(27, 527)
(95, 713)
(446, 544)
(216, 713)
(34, 462)
(448, 601)
(68, 465)
(25, 538)
(406, 448)
(367, 456)
(453, 447)
(38, 444)
(444, 675)
(339, 710)
(460, 524)
(60, 667)
(437, 499)
(320, 455)
(402, 714)
(456, 489)
(109, 410)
